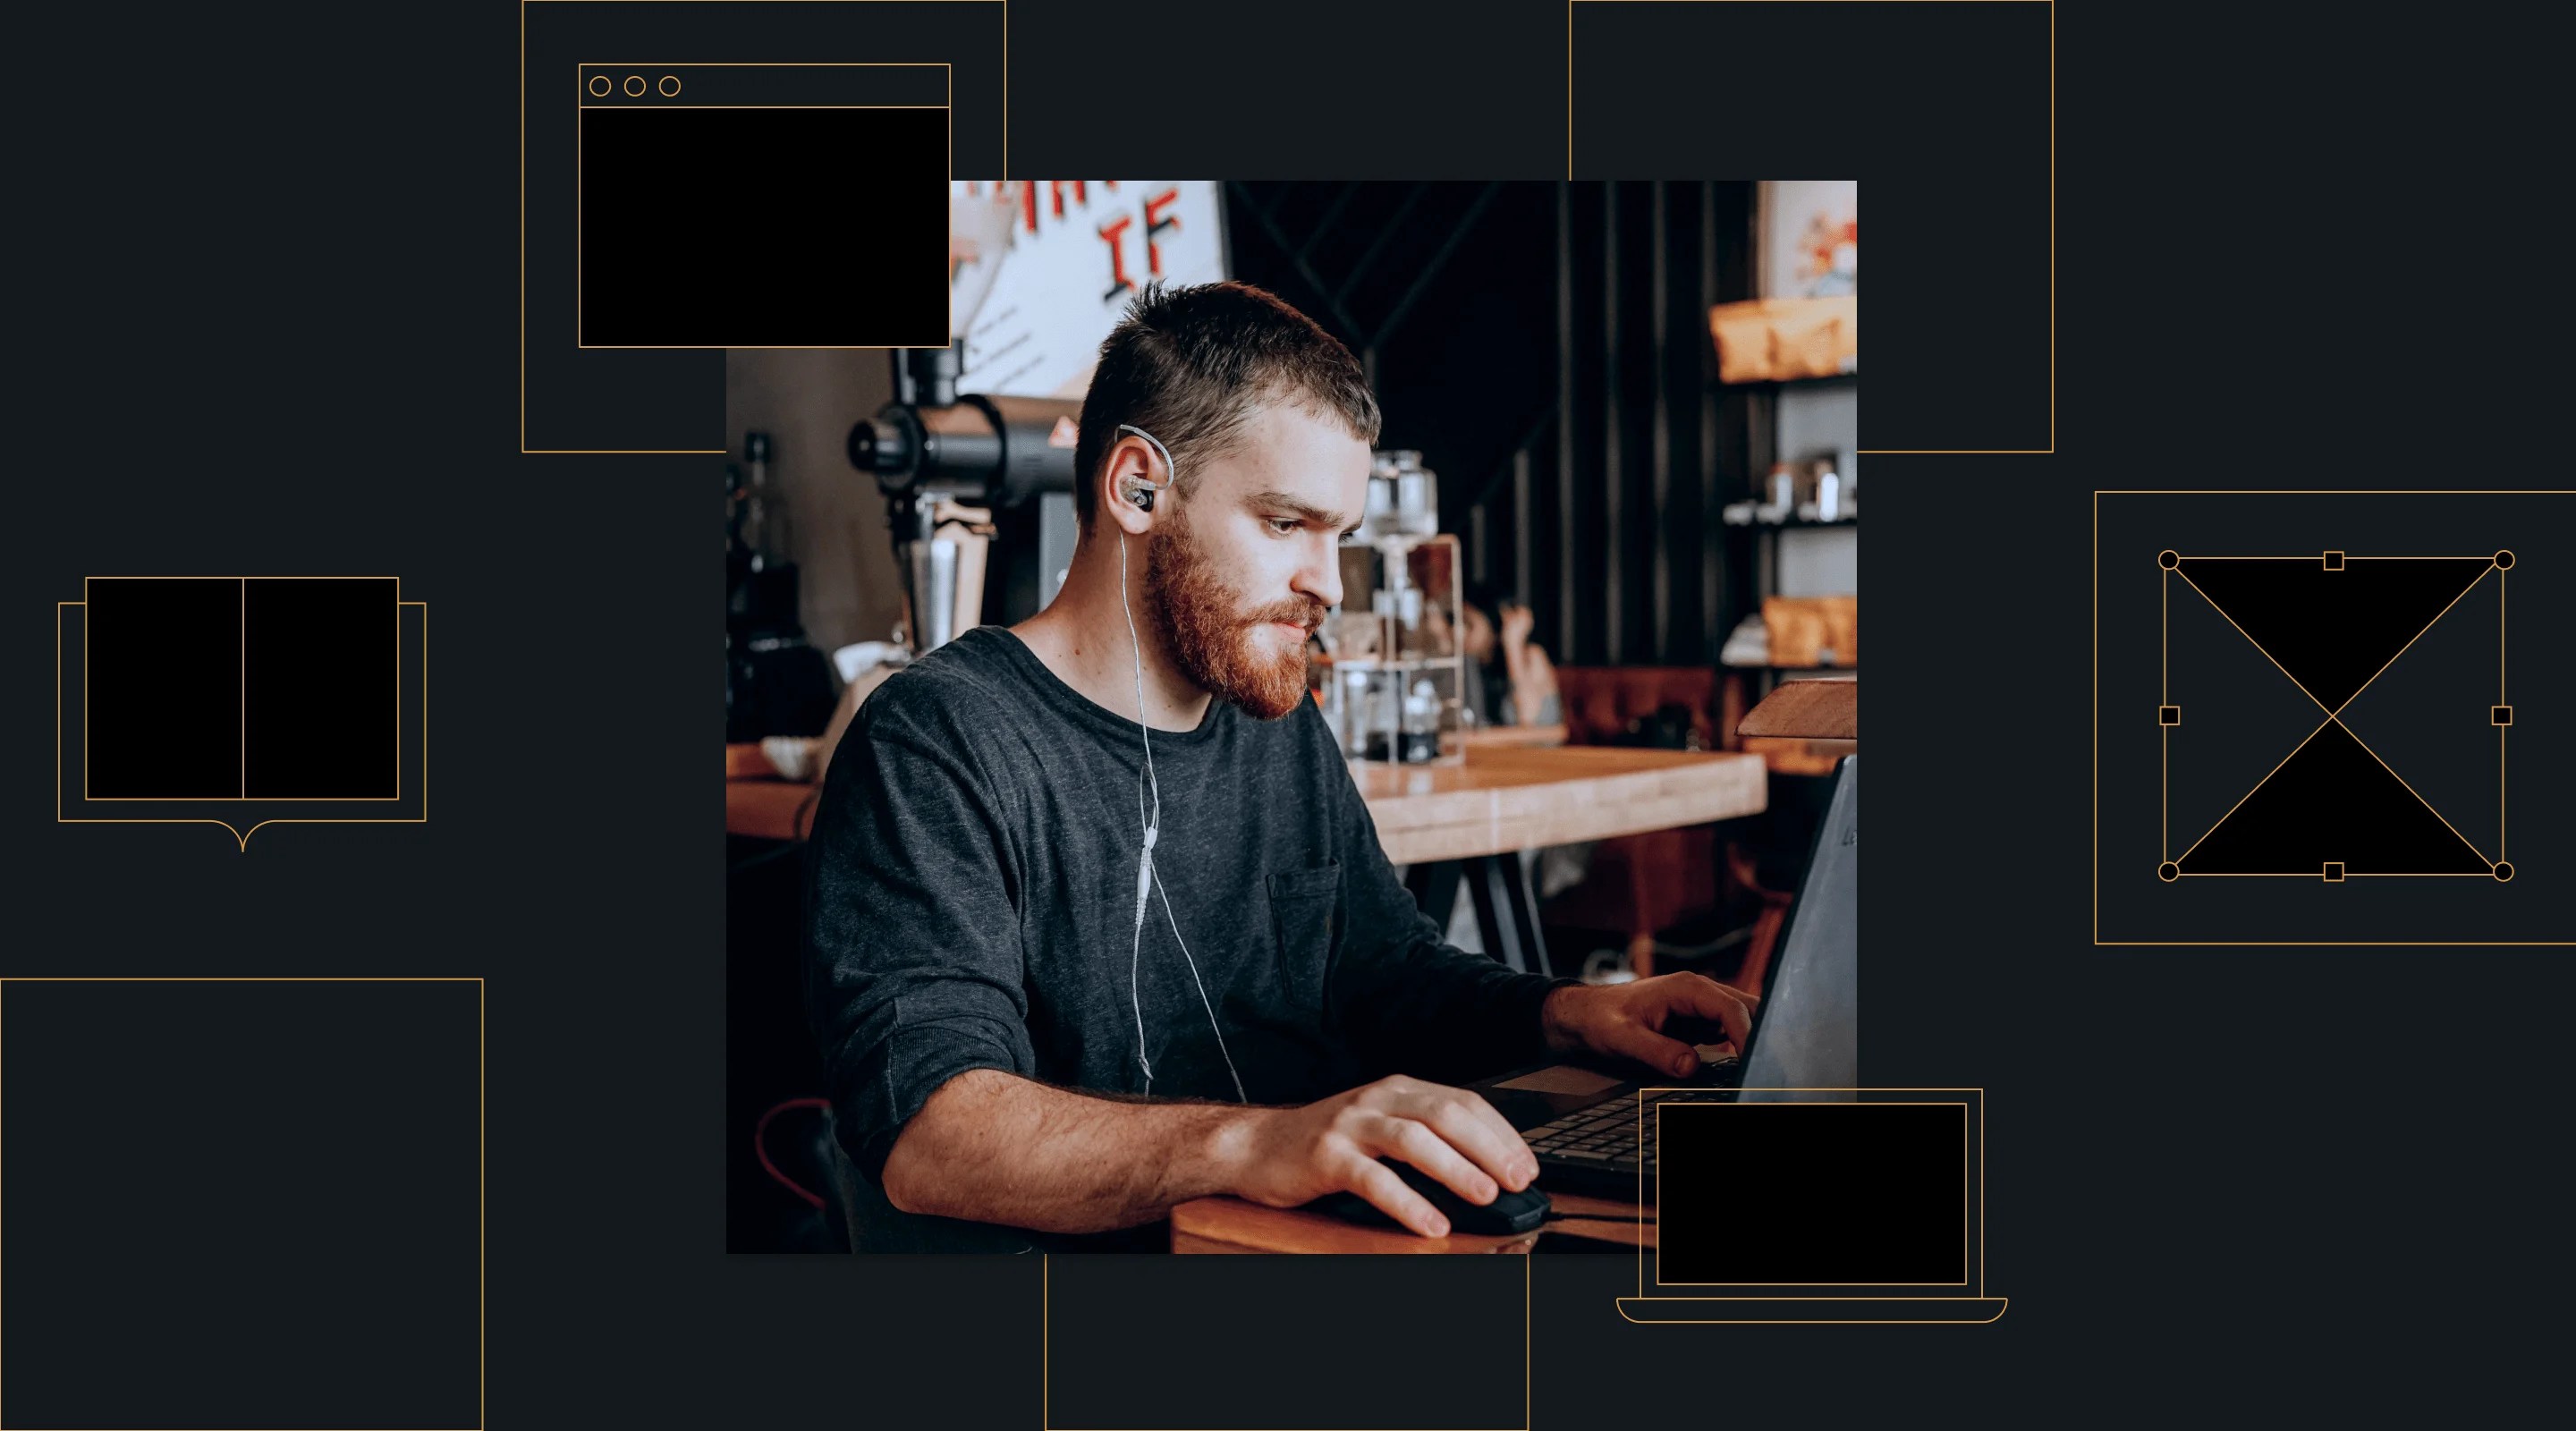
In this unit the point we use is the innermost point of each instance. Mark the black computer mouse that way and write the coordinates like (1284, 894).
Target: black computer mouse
(1508, 1213)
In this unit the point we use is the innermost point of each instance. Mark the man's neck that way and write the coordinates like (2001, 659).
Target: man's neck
(1082, 637)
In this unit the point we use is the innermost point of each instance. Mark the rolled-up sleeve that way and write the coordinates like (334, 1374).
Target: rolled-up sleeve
(913, 960)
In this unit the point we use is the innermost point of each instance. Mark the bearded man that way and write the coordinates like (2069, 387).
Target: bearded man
(1097, 922)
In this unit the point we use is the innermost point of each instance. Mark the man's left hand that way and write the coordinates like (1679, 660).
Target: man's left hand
(1653, 1021)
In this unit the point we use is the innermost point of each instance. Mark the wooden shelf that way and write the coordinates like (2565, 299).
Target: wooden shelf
(1829, 380)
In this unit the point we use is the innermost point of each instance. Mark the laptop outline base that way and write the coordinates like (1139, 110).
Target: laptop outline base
(1647, 1311)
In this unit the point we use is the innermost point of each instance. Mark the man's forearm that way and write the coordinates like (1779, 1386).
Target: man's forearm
(995, 1147)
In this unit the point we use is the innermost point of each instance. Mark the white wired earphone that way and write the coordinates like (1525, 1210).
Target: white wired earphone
(1140, 494)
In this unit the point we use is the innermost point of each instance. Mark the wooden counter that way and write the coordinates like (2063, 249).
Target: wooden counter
(1516, 799)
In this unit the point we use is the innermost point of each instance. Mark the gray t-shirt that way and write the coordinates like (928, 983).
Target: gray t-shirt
(971, 904)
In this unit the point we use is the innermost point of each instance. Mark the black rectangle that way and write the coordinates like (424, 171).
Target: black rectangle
(763, 227)
(2168, 715)
(1812, 1194)
(242, 1203)
(321, 657)
(2500, 715)
(161, 693)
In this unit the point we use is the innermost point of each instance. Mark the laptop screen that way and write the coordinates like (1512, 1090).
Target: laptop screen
(1808, 1030)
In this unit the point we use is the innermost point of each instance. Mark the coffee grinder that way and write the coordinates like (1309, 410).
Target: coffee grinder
(978, 489)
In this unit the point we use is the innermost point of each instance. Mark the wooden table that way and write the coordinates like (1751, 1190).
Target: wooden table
(1502, 800)
(1226, 1224)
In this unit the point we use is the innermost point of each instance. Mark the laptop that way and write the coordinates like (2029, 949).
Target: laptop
(1874, 1215)
(1582, 1121)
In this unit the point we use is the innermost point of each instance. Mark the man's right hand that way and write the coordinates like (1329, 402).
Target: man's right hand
(1288, 1156)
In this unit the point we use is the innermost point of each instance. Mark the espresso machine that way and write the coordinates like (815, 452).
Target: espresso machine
(979, 495)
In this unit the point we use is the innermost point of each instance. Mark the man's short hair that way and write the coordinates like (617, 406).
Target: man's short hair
(1190, 364)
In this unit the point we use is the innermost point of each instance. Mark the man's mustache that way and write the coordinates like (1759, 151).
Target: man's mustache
(1307, 614)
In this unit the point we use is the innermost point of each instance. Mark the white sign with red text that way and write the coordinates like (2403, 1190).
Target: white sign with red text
(1033, 314)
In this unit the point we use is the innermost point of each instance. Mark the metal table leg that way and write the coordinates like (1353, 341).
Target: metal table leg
(1506, 907)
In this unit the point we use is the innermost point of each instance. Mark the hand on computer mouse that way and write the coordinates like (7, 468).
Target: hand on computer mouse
(1650, 1021)
(1508, 1214)
(1286, 1157)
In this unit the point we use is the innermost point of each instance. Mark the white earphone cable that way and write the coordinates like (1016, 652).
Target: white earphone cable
(1239, 1095)
(1144, 857)
(1148, 878)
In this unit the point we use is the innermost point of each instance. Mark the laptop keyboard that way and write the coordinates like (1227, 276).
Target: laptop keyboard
(1602, 1139)
(1603, 1133)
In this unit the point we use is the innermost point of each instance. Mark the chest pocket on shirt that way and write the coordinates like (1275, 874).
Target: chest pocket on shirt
(1305, 909)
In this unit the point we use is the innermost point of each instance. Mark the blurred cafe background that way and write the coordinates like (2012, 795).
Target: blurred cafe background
(1616, 504)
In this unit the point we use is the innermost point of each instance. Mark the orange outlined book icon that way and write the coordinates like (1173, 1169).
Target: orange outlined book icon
(242, 701)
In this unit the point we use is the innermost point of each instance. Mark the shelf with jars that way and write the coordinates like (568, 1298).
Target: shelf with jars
(1394, 669)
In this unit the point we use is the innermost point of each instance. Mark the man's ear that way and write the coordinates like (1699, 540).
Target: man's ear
(1129, 464)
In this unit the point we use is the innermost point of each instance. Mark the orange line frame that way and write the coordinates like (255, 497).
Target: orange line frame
(1977, 1123)
(1967, 1140)
(482, 1167)
(524, 449)
(241, 837)
(2101, 943)
(2051, 448)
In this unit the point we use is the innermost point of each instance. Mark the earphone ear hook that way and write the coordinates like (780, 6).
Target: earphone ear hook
(1139, 491)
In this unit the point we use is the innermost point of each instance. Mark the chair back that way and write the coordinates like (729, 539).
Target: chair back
(1616, 705)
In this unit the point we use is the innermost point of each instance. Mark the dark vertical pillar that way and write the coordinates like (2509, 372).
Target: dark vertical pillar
(1712, 571)
(1662, 453)
(1613, 479)
(1565, 415)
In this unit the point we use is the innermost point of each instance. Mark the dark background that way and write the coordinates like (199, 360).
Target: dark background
(276, 330)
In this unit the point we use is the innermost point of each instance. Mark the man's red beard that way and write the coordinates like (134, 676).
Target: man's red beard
(1218, 645)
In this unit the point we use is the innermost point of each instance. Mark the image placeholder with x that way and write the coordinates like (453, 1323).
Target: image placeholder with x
(2333, 624)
